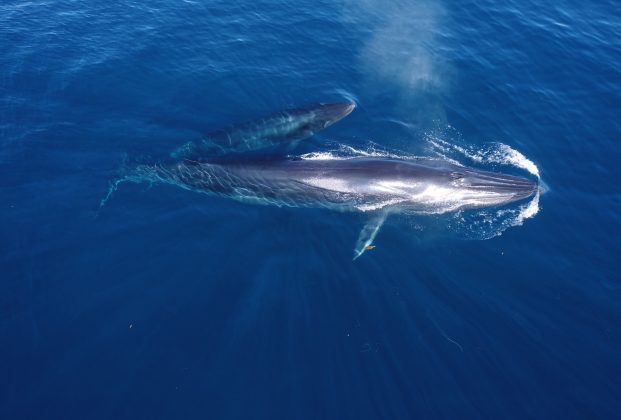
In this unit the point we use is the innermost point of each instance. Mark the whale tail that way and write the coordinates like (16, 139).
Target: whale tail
(128, 173)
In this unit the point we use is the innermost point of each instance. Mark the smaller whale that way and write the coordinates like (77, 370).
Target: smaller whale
(281, 128)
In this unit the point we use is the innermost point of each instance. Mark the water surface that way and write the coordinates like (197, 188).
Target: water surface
(171, 304)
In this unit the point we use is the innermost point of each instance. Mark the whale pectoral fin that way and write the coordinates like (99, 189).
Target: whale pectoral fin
(368, 233)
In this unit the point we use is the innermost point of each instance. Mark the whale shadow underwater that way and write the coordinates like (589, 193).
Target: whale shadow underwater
(230, 163)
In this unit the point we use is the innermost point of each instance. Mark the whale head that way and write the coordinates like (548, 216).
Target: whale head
(320, 116)
(423, 184)
(483, 189)
(328, 114)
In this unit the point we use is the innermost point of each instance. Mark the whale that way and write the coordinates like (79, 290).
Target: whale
(283, 128)
(376, 186)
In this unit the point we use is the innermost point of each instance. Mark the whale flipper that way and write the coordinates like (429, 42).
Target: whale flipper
(368, 233)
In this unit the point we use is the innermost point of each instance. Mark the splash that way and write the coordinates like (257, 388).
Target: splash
(486, 224)
(494, 153)
(527, 211)
(321, 156)
(512, 156)
(343, 151)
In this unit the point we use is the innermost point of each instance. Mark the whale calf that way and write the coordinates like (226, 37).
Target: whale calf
(372, 185)
(281, 128)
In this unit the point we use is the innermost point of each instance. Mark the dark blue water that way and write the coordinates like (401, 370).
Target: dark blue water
(166, 303)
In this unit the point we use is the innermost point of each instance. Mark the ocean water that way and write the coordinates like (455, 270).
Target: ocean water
(166, 303)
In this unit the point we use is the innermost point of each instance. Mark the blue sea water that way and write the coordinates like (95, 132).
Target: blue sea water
(166, 303)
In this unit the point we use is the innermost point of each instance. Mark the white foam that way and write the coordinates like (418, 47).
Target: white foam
(320, 156)
(379, 205)
(527, 211)
(497, 153)
(516, 158)
(372, 151)
(487, 223)
(348, 152)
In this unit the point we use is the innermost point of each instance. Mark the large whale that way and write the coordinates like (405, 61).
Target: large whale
(377, 186)
(281, 128)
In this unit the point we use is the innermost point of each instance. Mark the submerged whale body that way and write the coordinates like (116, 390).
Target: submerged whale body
(377, 186)
(281, 128)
